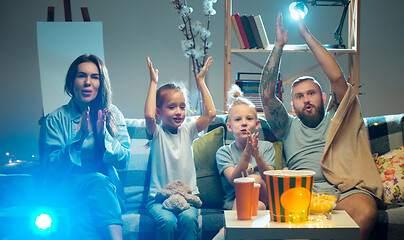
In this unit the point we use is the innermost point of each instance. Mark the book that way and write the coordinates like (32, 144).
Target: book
(237, 33)
(262, 32)
(241, 30)
(255, 31)
(248, 31)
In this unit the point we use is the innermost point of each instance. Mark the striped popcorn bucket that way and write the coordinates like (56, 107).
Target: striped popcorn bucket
(289, 194)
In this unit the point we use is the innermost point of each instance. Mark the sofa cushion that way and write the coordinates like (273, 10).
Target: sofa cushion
(391, 169)
(385, 132)
(210, 222)
(207, 175)
(138, 226)
(136, 177)
(279, 160)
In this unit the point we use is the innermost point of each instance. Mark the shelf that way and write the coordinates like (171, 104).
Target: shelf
(292, 48)
(352, 46)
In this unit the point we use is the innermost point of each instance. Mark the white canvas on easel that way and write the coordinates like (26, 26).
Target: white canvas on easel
(59, 44)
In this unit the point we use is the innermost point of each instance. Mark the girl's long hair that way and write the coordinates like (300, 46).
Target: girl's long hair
(104, 96)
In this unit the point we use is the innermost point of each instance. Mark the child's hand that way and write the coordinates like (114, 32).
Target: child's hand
(154, 73)
(201, 75)
(254, 144)
(249, 147)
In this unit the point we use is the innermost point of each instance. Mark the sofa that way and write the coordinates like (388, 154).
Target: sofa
(386, 140)
(20, 190)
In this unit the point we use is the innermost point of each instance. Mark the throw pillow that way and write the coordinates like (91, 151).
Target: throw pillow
(278, 155)
(207, 175)
(391, 169)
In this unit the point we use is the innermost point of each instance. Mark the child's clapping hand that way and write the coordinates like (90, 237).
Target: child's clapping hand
(252, 144)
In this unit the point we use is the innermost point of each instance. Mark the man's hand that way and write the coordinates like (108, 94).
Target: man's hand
(281, 34)
(303, 31)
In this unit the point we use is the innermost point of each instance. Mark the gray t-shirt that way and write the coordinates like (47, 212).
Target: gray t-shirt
(303, 146)
(229, 156)
(172, 157)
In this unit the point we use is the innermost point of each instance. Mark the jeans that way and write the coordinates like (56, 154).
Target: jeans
(170, 226)
(93, 204)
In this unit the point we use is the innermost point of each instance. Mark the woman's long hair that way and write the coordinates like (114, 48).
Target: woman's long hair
(104, 96)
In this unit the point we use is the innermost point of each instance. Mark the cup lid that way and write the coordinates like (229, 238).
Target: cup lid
(244, 180)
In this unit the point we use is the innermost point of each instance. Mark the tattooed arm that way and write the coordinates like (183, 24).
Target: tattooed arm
(275, 111)
(328, 64)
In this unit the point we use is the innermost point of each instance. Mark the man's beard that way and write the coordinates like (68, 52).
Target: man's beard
(313, 120)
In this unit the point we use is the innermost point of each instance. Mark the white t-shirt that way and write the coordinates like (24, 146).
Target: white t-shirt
(172, 157)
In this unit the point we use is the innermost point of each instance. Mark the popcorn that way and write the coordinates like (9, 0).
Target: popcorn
(322, 203)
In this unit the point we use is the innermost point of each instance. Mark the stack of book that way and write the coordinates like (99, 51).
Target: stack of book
(250, 32)
(249, 84)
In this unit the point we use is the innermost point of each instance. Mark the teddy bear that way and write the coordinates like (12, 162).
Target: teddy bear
(177, 197)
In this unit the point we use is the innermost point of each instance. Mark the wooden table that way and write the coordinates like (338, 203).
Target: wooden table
(340, 226)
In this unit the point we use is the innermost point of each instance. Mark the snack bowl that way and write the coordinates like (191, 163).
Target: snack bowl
(324, 200)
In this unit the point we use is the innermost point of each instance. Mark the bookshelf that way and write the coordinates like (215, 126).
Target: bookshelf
(352, 48)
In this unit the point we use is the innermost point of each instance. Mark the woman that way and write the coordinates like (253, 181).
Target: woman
(85, 140)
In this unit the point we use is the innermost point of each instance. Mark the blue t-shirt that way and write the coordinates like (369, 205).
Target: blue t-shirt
(229, 156)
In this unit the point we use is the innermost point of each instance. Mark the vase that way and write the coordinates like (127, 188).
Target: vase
(196, 106)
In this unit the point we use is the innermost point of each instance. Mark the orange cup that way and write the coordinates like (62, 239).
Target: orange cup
(255, 199)
(289, 193)
(244, 190)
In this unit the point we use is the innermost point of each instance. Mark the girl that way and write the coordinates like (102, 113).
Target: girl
(85, 140)
(171, 149)
(246, 154)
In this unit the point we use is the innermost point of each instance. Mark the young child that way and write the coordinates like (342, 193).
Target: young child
(246, 154)
(171, 149)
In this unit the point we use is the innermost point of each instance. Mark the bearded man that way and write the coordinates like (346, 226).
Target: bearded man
(333, 143)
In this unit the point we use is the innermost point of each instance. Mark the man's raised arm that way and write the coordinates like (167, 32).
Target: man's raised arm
(275, 111)
(328, 64)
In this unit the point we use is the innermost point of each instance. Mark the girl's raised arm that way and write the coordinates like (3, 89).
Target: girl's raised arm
(210, 112)
(150, 106)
